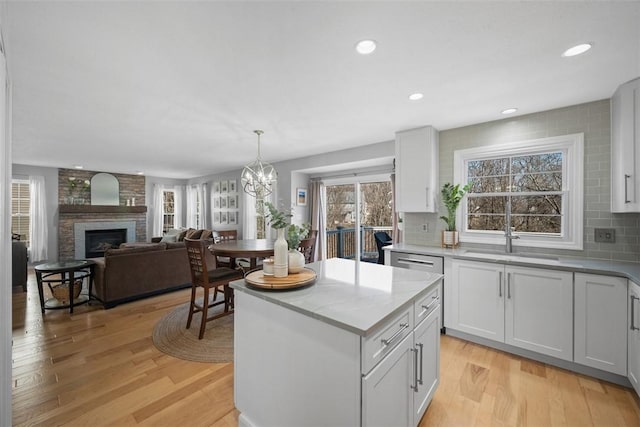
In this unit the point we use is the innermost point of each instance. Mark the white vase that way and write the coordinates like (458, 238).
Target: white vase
(280, 255)
(296, 261)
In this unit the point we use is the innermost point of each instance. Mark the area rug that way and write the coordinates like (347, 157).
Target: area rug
(172, 337)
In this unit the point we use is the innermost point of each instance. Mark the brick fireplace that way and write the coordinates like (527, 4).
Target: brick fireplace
(75, 219)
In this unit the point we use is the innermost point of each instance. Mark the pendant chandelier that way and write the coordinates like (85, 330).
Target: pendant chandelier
(258, 178)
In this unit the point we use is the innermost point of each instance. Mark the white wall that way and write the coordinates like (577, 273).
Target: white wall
(5, 243)
(51, 188)
(291, 175)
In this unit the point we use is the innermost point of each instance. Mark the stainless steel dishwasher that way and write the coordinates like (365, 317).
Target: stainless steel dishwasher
(432, 264)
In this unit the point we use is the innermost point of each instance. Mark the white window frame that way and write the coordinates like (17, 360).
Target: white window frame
(164, 213)
(22, 182)
(572, 147)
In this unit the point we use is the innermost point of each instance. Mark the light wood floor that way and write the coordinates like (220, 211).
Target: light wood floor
(99, 367)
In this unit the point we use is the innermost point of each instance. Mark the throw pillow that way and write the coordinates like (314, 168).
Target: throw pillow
(182, 234)
(169, 238)
(193, 234)
(206, 234)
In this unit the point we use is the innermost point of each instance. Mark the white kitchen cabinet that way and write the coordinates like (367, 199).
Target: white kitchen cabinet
(600, 333)
(399, 389)
(417, 170)
(634, 336)
(476, 304)
(625, 148)
(538, 310)
(387, 399)
(426, 338)
(530, 308)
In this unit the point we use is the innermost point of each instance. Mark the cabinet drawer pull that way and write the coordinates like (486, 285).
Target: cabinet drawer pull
(509, 285)
(500, 284)
(426, 308)
(626, 186)
(421, 347)
(415, 370)
(387, 341)
(633, 313)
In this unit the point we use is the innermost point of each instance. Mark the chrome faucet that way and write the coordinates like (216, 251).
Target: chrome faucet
(508, 229)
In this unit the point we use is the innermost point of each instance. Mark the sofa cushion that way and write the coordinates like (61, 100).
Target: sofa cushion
(182, 234)
(138, 249)
(175, 245)
(206, 234)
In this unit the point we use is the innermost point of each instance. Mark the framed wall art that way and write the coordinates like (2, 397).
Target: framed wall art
(301, 197)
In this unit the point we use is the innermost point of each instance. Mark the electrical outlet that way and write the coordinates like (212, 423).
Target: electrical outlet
(425, 228)
(605, 235)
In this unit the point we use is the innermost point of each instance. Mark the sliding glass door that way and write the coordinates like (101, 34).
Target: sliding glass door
(357, 208)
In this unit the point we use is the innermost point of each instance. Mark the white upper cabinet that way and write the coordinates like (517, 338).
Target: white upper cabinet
(625, 148)
(417, 170)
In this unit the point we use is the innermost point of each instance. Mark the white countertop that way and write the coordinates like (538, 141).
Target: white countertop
(630, 270)
(356, 296)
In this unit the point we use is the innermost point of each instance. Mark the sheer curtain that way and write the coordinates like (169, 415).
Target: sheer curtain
(317, 210)
(249, 229)
(158, 201)
(38, 230)
(177, 200)
(193, 192)
(204, 207)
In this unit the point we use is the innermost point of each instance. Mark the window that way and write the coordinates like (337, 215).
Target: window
(539, 181)
(20, 209)
(168, 210)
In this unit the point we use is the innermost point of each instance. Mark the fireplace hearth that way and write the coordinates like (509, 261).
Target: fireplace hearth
(98, 241)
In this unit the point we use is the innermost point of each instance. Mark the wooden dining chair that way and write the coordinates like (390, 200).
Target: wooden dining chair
(307, 247)
(222, 236)
(217, 278)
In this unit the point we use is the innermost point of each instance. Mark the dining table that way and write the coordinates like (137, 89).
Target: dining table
(252, 249)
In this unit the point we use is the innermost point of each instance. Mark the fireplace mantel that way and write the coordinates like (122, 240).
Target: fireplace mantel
(99, 209)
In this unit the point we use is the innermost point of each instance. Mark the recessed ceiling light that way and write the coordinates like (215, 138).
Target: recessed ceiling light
(365, 47)
(78, 167)
(509, 111)
(416, 96)
(577, 50)
(140, 173)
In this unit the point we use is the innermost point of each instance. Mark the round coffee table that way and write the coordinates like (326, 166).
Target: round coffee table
(64, 273)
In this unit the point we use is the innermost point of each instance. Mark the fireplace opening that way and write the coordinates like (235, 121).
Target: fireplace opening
(98, 241)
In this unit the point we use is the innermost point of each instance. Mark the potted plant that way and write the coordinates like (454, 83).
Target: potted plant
(279, 220)
(295, 234)
(451, 196)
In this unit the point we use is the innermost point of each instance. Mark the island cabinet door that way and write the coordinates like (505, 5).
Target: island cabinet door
(539, 311)
(387, 396)
(477, 299)
(427, 345)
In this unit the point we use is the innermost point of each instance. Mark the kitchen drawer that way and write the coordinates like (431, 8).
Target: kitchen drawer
(433, 264)
(376, 346)
(425, 305)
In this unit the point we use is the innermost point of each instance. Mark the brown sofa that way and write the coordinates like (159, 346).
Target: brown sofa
(136, 271)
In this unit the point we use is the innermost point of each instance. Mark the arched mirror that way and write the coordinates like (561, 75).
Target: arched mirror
(105, 190)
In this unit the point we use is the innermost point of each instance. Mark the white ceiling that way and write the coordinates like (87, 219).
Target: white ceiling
(175, 89)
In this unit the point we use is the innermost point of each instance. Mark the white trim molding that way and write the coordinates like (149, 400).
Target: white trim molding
(572, 147)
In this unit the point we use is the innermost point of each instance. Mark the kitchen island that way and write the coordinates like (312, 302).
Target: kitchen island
(359, 347)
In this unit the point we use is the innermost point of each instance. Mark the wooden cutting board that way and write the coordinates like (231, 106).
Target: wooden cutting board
(258, 280)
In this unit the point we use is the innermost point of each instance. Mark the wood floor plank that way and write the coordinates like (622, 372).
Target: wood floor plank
(99, 367)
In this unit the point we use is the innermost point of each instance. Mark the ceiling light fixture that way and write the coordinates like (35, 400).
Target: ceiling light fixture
(416, 96)
(509, 111)
(577, 50)
(365, 47)
(258, 178)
